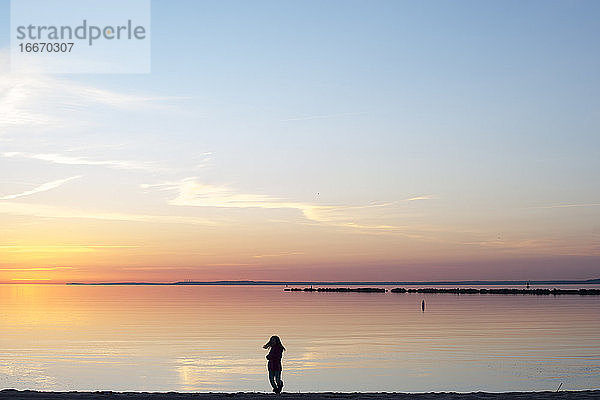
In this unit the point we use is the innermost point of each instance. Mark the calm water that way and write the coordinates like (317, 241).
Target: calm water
(209, 338)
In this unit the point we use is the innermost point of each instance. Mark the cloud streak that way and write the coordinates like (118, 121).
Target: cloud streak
(42, 188)
(60, 248)
(423, 197)
(568, 205)
(191, 192)
(33, 99)
(323, 116)
(578, 246)
(282, 254)
(40, 210)
(37, 269)
(72, 160)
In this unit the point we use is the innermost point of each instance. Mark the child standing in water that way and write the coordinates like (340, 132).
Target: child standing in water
(274, 364)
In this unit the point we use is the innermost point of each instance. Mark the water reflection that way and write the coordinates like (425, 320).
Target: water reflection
(217, 373)
(205, 338)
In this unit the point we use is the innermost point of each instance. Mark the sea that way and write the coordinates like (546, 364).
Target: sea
(209, 339)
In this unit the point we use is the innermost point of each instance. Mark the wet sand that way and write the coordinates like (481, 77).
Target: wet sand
(33, 395)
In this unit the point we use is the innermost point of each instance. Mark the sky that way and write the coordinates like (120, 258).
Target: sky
(313, 140)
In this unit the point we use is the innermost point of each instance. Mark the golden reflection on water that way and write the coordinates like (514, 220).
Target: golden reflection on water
(201, 338)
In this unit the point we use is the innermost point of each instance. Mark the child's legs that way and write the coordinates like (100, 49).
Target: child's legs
(272, 378)
(278, 378)
(275, 379)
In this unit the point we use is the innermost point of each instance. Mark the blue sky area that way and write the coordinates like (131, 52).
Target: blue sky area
(388, 139)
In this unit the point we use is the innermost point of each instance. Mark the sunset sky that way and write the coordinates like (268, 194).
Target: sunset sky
(313, 140)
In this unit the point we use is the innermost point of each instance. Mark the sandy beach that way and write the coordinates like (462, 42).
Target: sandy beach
(34, 395)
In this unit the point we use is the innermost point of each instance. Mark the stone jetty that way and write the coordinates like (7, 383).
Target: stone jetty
(341, 289)
(541, 292)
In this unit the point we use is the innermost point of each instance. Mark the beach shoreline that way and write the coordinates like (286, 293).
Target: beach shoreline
(99, 395)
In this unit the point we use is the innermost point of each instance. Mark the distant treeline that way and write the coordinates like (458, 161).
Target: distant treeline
(581, 292)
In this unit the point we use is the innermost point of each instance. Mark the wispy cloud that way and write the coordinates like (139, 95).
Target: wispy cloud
(575, 246)
(191, 192)
(42, 188)
(36, 269)
(40, 210)
(72, 160)
(31, 279)
(97, 146)
(169, 268)
(40, 100)
(282, 254)
(228, 264)
(423, 197)
(323, 116)
(567, 205)
(60, 248)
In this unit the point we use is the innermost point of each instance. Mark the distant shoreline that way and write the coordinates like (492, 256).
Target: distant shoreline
(100, 395)
(350, 283)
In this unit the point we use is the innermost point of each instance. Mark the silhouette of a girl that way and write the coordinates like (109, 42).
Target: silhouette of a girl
(274, 364)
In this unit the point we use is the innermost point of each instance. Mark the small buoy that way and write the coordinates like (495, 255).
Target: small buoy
(423, 306)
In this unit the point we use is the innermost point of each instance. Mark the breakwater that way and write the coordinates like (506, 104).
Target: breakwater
(581, 292)
(341, 289)
(507, 291)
